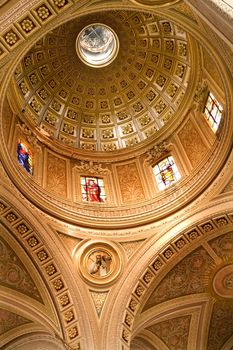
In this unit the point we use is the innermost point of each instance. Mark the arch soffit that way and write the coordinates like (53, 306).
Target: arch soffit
(160, 260)
(37, 241)
(38, 340)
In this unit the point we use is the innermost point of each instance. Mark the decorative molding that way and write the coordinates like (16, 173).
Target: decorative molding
(130, 182)
(99, 299)
(56, 175)
(220, 45)
(69, 242)
(68, 111)
(229, 186)
(192, 142)
(173, 329)
(99, 262)
(37, 249)
(151, 4)
(29, 135)
(186, 11)
(14, 274)
(200, 94)
(91, 168)
(131, 247)
(224, 8)
(158, 151)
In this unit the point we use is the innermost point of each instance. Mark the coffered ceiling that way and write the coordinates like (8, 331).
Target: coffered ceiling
(111, 107)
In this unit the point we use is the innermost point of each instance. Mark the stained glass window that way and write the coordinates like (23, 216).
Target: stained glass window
(213, 112)
(24, 156)
(166, 173)
(92, 189)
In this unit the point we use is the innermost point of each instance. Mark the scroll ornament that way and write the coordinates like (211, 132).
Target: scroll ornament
(158, 151)
(91, 168)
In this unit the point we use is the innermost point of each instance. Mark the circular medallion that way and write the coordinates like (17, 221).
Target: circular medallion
(223, 282)
(97, 45)
(99, 262)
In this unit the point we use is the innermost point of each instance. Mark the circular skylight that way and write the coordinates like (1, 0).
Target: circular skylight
(97, 45)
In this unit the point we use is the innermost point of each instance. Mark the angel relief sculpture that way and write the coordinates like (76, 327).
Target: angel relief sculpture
(93, 189)
(100, 264)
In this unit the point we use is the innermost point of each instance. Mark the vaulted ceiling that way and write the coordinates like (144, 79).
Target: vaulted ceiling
(170, 282)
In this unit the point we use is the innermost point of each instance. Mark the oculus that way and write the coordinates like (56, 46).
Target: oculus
(97, 45)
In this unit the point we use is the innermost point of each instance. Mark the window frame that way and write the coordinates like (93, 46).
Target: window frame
(96, 178)
(30, 155)
(213, 121)
(176, 173)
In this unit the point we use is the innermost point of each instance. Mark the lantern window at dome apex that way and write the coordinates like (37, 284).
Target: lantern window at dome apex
(97, 45)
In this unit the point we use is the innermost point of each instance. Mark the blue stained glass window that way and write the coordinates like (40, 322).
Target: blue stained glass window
(93, 189)
(166, 173)
(213, 112)
(24, 156)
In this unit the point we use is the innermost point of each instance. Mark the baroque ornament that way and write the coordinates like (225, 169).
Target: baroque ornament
(98, 300)
(91, 168)
(200, 94)
(29, 135)
(157, 152)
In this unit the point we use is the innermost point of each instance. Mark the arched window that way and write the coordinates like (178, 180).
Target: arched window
(24, 156)
(213, 112)
(92, 189)
(166, 173)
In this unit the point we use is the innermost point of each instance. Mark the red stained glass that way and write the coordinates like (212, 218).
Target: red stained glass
(93, 189)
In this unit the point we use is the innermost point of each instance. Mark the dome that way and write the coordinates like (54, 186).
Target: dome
(116, 187)
(94, 97)
(110, 124)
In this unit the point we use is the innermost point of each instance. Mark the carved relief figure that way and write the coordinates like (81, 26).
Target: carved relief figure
(100, 264)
